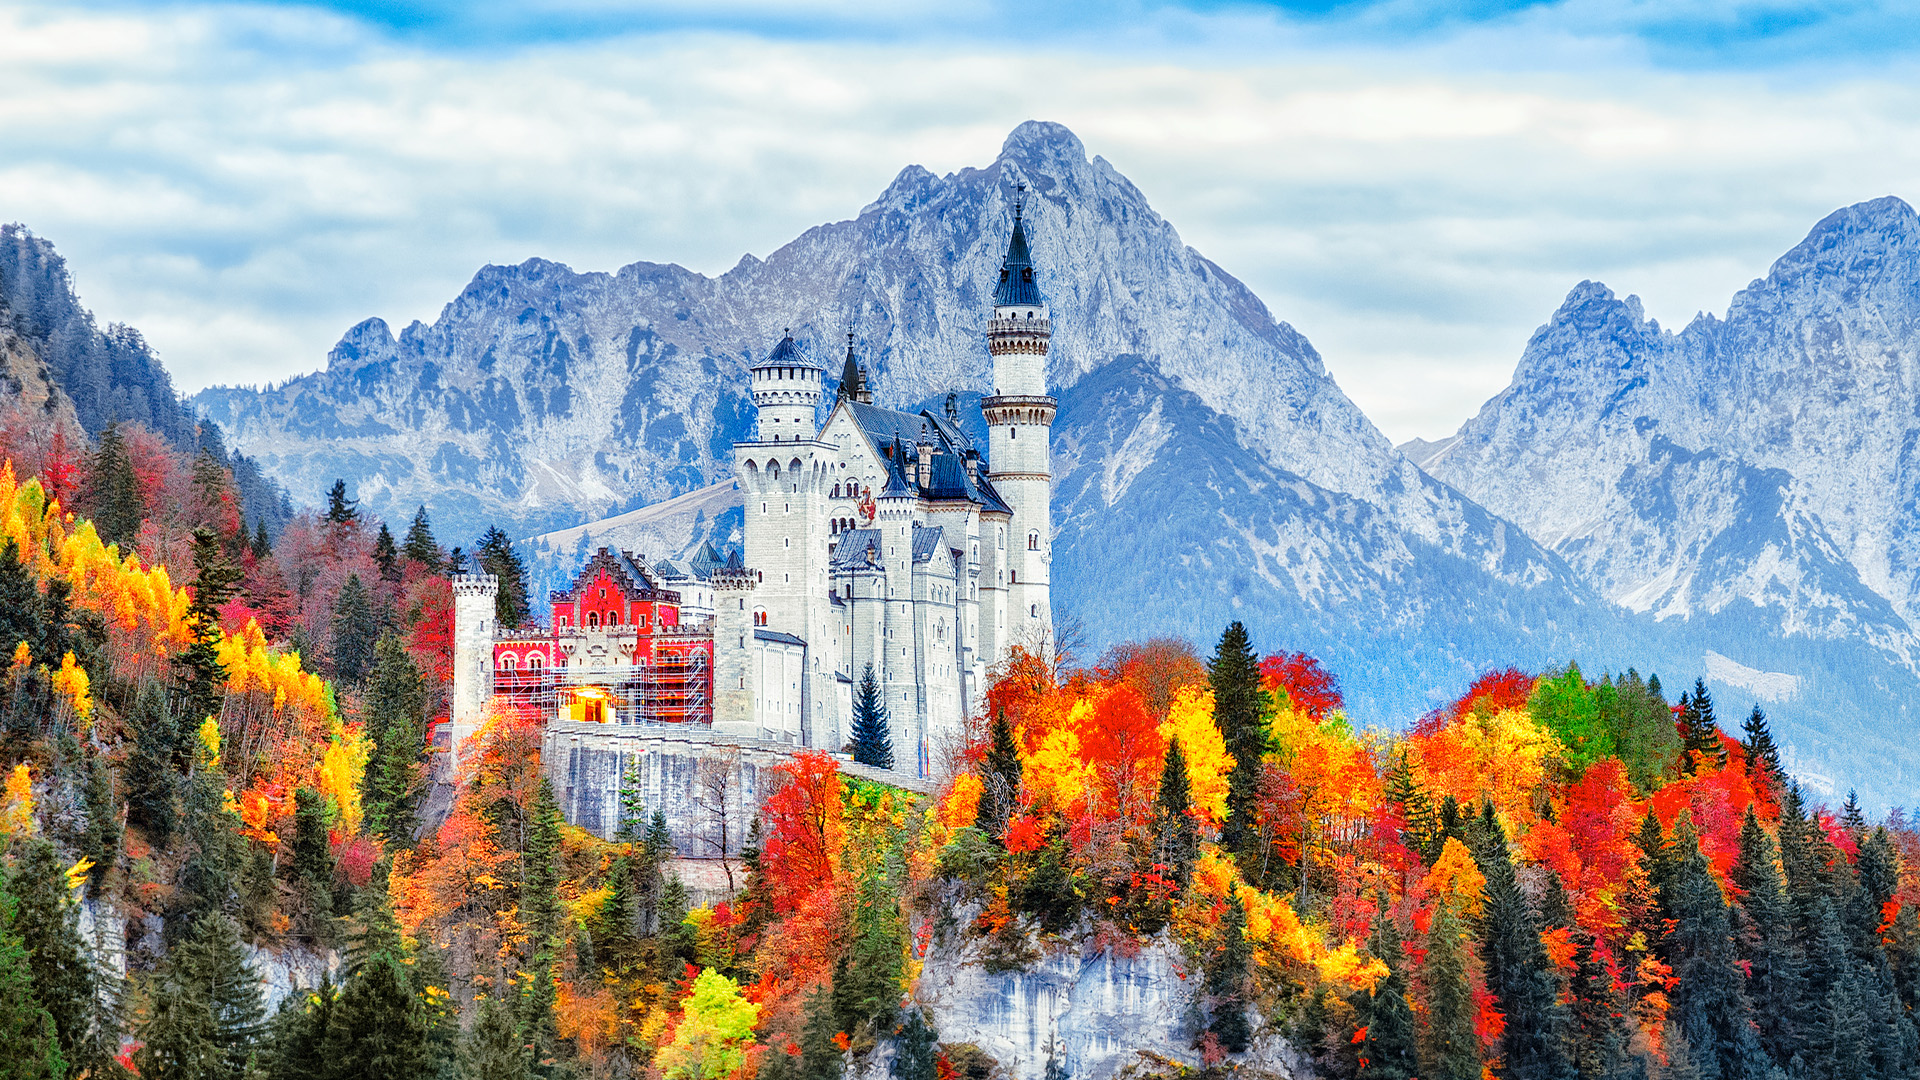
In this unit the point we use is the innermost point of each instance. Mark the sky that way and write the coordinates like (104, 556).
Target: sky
(1413, 185)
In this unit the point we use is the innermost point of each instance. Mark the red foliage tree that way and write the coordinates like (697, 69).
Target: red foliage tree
(1313, 689)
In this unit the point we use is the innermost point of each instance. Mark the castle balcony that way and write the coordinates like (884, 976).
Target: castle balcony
(1038, 327)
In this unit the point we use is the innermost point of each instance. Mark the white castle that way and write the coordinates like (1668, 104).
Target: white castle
(877, 538)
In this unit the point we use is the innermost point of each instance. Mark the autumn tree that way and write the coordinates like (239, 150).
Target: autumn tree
(715, 1028)
(1156, 669)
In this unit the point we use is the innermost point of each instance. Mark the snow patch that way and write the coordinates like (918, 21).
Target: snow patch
(1770, 685)
(1135, 454)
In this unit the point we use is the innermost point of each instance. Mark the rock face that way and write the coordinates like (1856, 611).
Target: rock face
(1750, 481)
(1091, 1016)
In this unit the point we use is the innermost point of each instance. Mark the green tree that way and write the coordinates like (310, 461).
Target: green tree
(1518, 972)
(1700, 732)
(115, 491)
(1450, 1050)
(213, 861)
(100, 843)
(1388, 1047)
(355, 630)
(206, 1011)
(1419, 821)
(340, 509)
(1000, 778)
(1599, 1027)
(716, 1027)
(493, 1049)
(199, 677)
(1763, 755)
(1569, 708)
(312, 866)
(420, 546)
(262, 545)
(1240, 704)
(152, 781)
(395, 708)
(1709, 1002)
(919, 1050)
(298, 1034)
(497, 556)
(29, 1033)
(872, 737)
(377, 1030)
(1644, 735)
(1765, 942)
(45, 921)
(820, 1058)
(540, 914)
(1176, 837)
(386, 555)
(1228, 972)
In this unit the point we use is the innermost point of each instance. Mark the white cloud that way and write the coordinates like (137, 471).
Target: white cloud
(245, 183)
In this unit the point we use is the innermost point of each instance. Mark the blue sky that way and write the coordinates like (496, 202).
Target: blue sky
(1414, 185)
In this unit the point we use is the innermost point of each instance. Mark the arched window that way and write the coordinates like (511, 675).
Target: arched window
(593, 620)
(533, 662)
(506, 662)
(1033, 611)
(1033, 541)
(613, 618)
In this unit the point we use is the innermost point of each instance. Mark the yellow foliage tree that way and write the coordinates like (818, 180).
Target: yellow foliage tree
(1190, 720)
(342, 769)
(1502, 757)
(72, 682)
(716, 1025)
(16, 814)
(1455, 880)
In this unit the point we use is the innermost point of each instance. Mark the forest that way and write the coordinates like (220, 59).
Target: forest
(219, 774)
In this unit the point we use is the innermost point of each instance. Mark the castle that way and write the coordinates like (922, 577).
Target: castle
(877, 538)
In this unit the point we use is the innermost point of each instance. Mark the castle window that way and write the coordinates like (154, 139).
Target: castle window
(1013, 577)
(506, 662)
(613, 618)
(533, 662)
(1033, 541)
(593, 620)
(566, 620)
(1033, 611)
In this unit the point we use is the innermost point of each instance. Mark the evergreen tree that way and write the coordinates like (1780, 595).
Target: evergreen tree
(340, 509)
(1598, 1021)
(115, 496)
(29, 1033)
(1801, 857)
(1700, 731)
(100, 843)
(866, 987)
(872, 738)
(1177, 839)
(1239, 707)
(298, 1035)
(152, 781)
(1709, 1002)
(312, 867)
(386, 555)
(540, 914)
(1763, 756)
(1764, 941)
(1387, 1050)
(497, 556)
(20, 604)
(493, 1050)
(262, 545)
(458, 563)
(206, 1011)
(1852, 817)
(200, 678)
(678, 947)
(377, 1031)
(820, 1058)
(355, 631)
(1518, 972)
(1000, 776)
(1450, 1047)
(1228, 970)
(395, 707)
(918, 1056)
(420, 546)
(207, 879)
(1420, 822)
(1647, 742)
(63, 977)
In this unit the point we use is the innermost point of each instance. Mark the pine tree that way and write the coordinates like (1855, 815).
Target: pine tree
(377, 1031)
(1709, 1001)
(115, 491)
(820, 1058)
(872, 738)
(1177, 840)
(100, 843)
(298, 1034)
(1852, 817)
(29, 1033)
(1000, 776)
(152, 781)
(1450, 1048)
(206, 1012)
(262, 545)
(386, 555)
(340, 509)
(493, 1050)
(1701, 732)
(1419, 821)
(207, 879)
(199, 676)
(1228, 970)
(497, 556)
(1599, 1026)
(312, 867)
(866, 989)
(1387, 1050)
(540, 914)
(395, 707)
(676, 944)
(355, 630)
(420, 546)
(1239, 707)
(1518, 972)
(1764, 938)
(63, 977)
(919, 1050)
(1763, 756)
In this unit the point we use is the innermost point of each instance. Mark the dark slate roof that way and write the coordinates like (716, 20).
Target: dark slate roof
(883, 426)
(788, 354)
(628, 572)
(926, 541)
(706, 561)
(898, 486)
(669, 572)
(775, 635)
(853, 547)
(989, 498)
(1017, 288)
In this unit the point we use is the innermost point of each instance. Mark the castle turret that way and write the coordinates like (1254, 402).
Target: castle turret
(473, 630)
(853, 379)
(733, 671)
(1019, 417)
(787, 388)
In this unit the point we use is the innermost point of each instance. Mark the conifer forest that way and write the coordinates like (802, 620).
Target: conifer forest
(231, 853)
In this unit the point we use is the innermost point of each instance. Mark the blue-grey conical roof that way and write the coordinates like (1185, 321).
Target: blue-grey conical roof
(1017, 287)
(788, 354)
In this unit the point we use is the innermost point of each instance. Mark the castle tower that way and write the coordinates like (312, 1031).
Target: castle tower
(473, 627)
(733, 667)
(1019, 417)
(787, 387)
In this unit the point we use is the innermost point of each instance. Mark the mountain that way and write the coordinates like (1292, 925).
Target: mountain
(1751, 482)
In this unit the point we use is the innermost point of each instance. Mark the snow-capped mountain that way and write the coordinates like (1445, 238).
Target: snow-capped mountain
(1207, 467)
(1753, 478)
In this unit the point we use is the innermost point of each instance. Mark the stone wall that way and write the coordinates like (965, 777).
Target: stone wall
(705, 783)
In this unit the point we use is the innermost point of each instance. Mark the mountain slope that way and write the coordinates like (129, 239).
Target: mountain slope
(1755, 474)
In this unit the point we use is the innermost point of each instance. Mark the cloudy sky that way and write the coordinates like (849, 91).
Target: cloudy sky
(1414, 185)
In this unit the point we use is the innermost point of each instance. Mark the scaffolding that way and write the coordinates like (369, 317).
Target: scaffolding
(675, 688)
